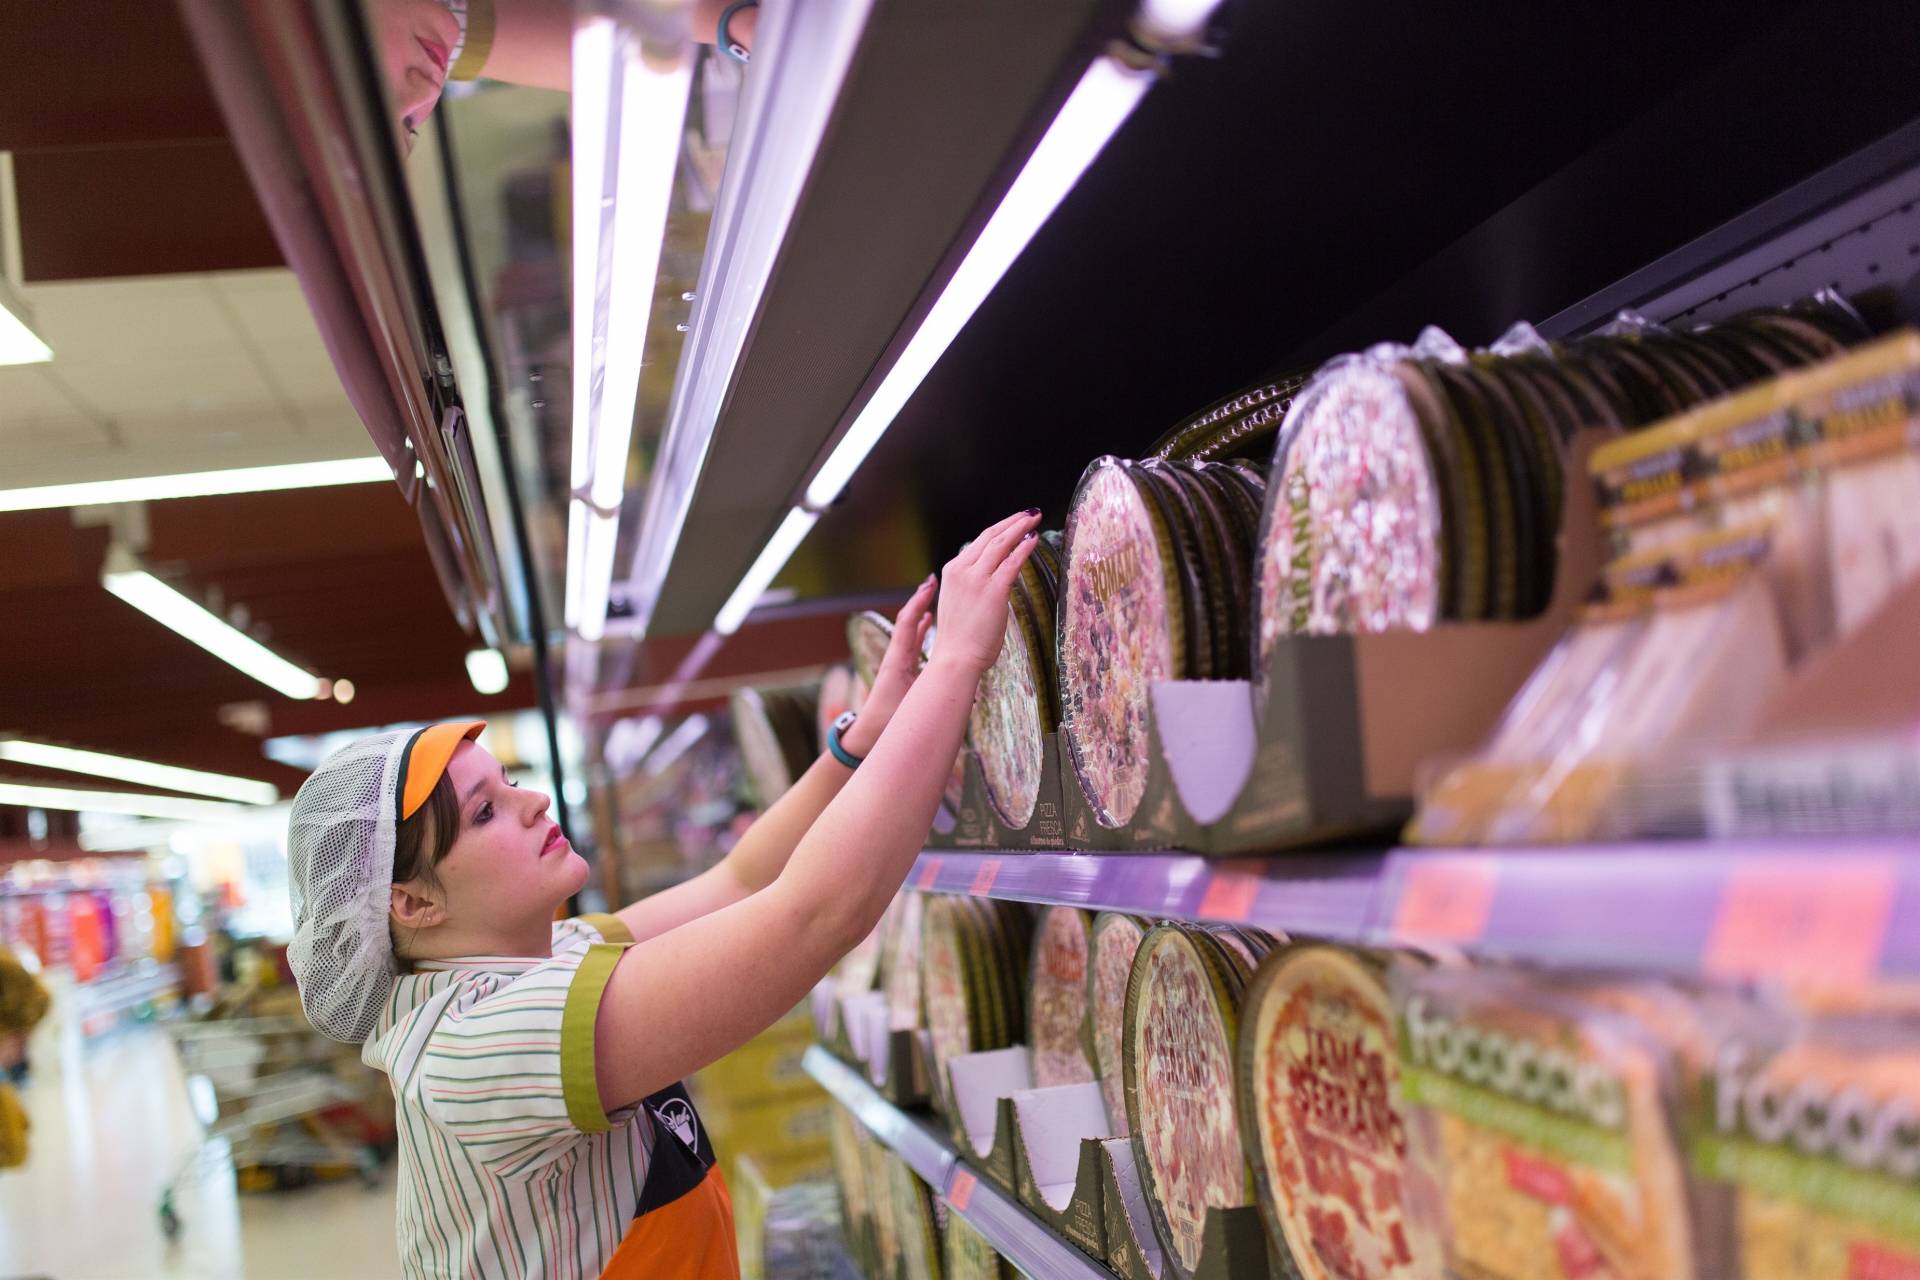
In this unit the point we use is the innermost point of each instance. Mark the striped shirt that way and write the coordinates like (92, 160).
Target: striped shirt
(509, 1168)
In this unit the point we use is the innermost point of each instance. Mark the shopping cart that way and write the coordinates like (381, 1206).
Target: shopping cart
(265, 1089)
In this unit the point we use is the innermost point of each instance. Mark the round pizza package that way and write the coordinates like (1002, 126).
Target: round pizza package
(1115, 939)
(1122, 628)
(1319, 1111)
(1014, 709)
(1182, 1022)
(1057, 998)
(969, 1256)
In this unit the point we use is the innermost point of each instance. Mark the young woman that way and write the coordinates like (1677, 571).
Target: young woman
(536, 1066)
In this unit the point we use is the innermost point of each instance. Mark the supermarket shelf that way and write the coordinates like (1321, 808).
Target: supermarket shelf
(1841, 910)
(1018, 1235)
(926, 1152)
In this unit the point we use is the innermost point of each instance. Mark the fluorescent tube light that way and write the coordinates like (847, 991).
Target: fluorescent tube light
(141, 773)
(1098, 106)
(801, 54)
(178, 613)
(30, 796)
(198, 484)
(760, 575)
(600, 540)
(628, 109)
(487, 668)
(19, 344)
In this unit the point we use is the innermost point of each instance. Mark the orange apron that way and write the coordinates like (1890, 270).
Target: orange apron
(683, 1226)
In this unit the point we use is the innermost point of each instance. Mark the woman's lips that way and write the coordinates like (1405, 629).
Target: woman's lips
(435, 50)
(554, 840)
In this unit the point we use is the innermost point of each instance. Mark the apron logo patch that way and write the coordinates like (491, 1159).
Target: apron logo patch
(677, 1115)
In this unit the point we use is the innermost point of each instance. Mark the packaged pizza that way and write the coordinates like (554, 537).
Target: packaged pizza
(847, 1139)
(900, 964)
(973, 961)
(915, 1224)
(1547, 1125)
(868, 635)
(1818, 1142)
(1182, 1022)
(1018, 703)
(1685, 666)
(1057, 998)
(774, 729)
(1156, 586)
(1114, 941)
(1319, 1100)
(969, 1256)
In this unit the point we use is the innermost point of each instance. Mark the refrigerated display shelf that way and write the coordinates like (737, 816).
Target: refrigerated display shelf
(1840, 911)
(1020, 1237)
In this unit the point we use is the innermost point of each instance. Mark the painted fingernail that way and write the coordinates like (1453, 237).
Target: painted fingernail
(1031, 534)
(1031, 511)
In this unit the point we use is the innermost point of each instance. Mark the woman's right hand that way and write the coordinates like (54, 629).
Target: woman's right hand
(974, 588)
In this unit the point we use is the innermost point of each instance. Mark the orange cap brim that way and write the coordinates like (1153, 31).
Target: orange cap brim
(425, 761)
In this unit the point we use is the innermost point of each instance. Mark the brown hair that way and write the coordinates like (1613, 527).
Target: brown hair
(422, 841)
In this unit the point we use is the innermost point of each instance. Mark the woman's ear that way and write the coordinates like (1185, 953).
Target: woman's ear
(413, 910)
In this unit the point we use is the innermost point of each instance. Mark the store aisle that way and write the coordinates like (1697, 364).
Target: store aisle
(111, 1125)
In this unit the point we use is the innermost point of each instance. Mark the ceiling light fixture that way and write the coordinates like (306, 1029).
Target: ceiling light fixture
(630, 91)
(773, 557)
(198, 484)
(190, 619)
(133, 804)
(488, 671)
(1098, 106)
(801, 54)
(141, 773)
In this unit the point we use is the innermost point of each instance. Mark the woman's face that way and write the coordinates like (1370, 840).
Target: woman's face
(416, 39)
(509, 866)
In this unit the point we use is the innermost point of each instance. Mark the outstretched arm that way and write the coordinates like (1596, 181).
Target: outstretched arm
(689, 996)
(763, 852)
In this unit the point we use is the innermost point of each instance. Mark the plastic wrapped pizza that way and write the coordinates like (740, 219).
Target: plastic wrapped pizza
(1182, 1022)
(1320, 1114)
(774, 729)
(1018, 703)
(868, 635)
(973, 959)
(969, 1256)
(1546, 1123)
(1057, 998)
(1155, 587)
(1111, 946)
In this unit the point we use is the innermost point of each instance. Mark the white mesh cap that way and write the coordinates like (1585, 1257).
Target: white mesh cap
(340, 836)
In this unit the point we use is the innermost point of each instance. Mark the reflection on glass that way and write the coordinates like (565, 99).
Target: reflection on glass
(488, 68)
(423, 44)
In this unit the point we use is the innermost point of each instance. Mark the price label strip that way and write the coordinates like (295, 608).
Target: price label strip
(960, 1194)
(1445, 900)
(984, 877)
(1822, 921)
(1230, 897)
(929, 873)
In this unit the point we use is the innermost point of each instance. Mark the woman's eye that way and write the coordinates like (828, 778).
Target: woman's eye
(482, 814)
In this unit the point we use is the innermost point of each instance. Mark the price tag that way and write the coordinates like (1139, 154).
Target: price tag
(1445, 900)
(1230, 895)
(960, 1194)
(929, 872)
(983, 878)
(1821, 921)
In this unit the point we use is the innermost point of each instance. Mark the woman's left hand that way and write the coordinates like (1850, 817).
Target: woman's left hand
(897, 669)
